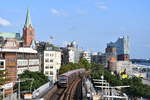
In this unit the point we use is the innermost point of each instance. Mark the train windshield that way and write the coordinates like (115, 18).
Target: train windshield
(62, 79)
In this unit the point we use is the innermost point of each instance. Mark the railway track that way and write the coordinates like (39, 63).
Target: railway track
(68, 93)
(63, 93)
(71, 91)
(57, 94)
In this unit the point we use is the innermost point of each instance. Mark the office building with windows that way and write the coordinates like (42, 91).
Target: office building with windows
(122, 47)
(51, 61)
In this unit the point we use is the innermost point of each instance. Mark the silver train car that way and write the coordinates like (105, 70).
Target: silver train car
(64, 80)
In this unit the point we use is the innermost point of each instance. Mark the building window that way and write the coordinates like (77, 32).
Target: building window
(57, 71)
(47, 60)
(1, 63)
(46, 54)
(51, 55)
(51, 60)
(51, 72)
(46, 73)
(46, 67)
(51, 66)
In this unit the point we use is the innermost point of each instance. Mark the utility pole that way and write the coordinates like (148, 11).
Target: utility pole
(102, 77)
(19, 89)
(23, 81)
(3, 93)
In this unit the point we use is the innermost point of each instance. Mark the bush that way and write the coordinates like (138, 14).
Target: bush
(39, 79)
(136, 89)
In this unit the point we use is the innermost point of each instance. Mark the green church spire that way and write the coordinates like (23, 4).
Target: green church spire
(28, 19)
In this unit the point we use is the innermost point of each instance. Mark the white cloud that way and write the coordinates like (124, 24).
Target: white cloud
(147, 45)
(101, 5)
(82, 12)
(72, 28)
(58, 12)
(4, 22)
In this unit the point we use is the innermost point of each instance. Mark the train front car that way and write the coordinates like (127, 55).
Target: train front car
(62, 81)
(67, 78)
(82, 72)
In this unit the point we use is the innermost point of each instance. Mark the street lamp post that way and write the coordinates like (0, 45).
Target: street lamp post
(102, 77)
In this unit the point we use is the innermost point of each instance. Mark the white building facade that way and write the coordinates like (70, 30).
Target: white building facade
(124, 65)
(28, 64)
(71, 56)
(74, 52)
(87, 55)
(52, 64)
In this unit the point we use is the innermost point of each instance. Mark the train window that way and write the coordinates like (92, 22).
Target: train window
(62, 79)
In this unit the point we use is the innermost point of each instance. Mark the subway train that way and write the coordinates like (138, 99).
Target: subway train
(64, 80)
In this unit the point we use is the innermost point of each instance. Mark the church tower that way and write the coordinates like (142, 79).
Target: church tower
(28, 31)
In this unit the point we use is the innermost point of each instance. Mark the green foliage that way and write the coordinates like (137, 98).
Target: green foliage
(83, 63)
(97, 70)
(1, 96)
(114, 80)
(136, 89)
(39, 79)
(2, 77)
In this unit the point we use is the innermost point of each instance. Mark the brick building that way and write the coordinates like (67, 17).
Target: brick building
(28, 31)
(17, 54)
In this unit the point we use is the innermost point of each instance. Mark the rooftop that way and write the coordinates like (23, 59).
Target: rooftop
(51, 47)
(19, 50)
(10, 35)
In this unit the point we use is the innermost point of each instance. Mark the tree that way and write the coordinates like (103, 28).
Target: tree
(136, 89)
(3, 78)
(97, 70)
(83, 63)
(39, 79)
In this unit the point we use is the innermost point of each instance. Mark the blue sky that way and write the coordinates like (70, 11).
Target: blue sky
(92, 23)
